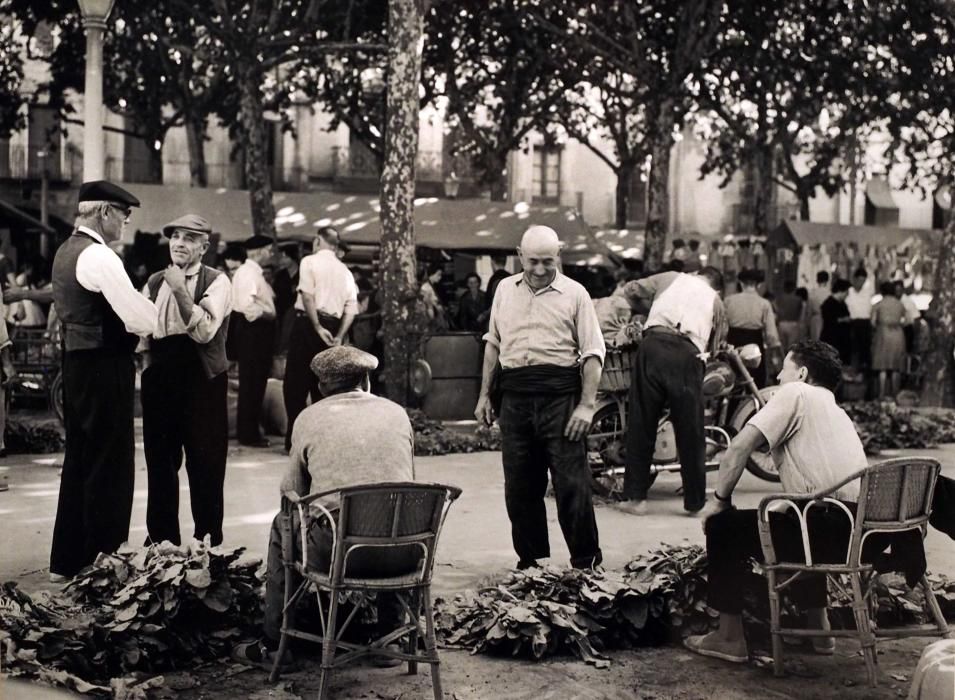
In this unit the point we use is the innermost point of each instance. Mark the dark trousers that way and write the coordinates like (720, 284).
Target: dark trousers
(742, 336)
(300, 382)
(184, 412)
(666, 373)
(96, 487)
(364, 562)
(861, 329)
(732, 539)
(532, 428)
(254, 344)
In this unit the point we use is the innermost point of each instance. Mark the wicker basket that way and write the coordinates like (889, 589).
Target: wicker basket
(616, 370)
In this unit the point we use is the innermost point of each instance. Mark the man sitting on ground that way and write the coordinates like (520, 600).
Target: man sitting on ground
(814, 446)
(349, 437)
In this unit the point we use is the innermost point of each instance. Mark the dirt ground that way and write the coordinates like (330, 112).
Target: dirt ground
(474, 545)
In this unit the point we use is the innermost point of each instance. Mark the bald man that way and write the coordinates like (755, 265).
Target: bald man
(543, 331)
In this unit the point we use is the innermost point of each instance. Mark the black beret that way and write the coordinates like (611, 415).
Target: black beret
(342, 363)
(257, 241)
(189, 222)
(103, 191)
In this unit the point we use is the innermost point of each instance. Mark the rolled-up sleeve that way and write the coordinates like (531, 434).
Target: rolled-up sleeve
(590, 340)
(493, 335)
(351, 295)
(209, 313)
(99, 269)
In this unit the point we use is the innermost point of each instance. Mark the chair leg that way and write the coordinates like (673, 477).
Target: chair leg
(415, 612)
(864, 628)
(932, 604)
(774, 623)
(287, 623)
(431, 643)
(328, 645)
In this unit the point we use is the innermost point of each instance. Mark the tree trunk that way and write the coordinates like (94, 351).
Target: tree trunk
(803, 206)
(155, 164)
(401, 320)
(624, 188)
(658, 189)
(195, 140)
(496, 176)
(763, 199)
(257, 176)
(938, 388)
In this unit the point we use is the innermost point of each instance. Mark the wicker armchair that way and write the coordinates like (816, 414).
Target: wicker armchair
(894, 496)
(393, 519)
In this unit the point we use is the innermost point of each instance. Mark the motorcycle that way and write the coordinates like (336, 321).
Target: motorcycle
(730, 397)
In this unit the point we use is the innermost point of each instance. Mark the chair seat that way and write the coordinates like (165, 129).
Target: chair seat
(389, 582)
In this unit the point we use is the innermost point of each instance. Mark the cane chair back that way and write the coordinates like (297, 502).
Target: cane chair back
(894, 496)
(401, 523)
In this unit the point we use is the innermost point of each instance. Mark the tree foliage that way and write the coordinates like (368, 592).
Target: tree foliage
(791, 88)
(11, 79)
(498, 71)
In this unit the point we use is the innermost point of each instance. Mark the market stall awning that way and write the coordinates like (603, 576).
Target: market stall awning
(452, 224)
(807, 233)
(11, 214)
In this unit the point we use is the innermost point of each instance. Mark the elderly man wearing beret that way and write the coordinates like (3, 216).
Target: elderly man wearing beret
(102, 314)
(184, 385)
(347, 438)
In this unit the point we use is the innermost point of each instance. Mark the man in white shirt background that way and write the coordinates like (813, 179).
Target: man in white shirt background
(859, 301)
(102, 314)
(185, 385)
(325, 308)
(253, 303)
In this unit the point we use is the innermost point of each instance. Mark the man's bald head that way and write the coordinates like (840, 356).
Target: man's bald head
(540, 241)
(540, 255)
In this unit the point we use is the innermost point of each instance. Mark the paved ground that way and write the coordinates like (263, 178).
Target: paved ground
(475, 543)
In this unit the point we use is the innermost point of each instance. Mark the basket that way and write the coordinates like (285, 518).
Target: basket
(616, 370)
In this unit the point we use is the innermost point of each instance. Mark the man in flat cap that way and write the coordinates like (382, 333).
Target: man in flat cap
(347, 438)
(253, 301)
(184, 385)
(544, 331)
(102, 314)
(327, 304)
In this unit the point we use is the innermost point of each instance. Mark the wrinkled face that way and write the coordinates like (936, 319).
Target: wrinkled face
(474, 285)
(187, 247)
(540, 262)
(114, 218)
(791, 372)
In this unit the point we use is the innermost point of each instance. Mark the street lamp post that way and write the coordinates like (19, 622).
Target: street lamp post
(95, 13)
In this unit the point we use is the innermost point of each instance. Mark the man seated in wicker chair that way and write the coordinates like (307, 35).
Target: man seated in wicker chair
(814, 445)
(349, 437)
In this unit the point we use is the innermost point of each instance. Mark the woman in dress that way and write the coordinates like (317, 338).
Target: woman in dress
(888, 342)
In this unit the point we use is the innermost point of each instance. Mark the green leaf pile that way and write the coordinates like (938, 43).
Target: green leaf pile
(32, 436)
(884, 426)
(139, 611)
(431, 438)
(540, 612)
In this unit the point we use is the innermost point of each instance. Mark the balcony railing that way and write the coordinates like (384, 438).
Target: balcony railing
(430, 165)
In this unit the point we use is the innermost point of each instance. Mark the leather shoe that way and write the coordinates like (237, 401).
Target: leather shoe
(527, 564)
(260, 442)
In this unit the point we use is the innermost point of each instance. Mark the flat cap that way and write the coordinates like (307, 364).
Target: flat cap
(190, 222)
(342, 363)
(257, 241)
(104, 191)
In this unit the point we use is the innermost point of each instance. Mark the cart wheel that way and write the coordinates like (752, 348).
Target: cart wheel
(761, 462)
(56, 396)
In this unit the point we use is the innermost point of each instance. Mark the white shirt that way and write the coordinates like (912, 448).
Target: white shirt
(99, 269)
(813, 442)
(330, 283)
(207, 314)
(251, 294)
(686, 305)
(912, 313)
(860, 303)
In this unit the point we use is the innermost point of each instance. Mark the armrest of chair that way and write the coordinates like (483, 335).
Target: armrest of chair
(304, 506)
(789, 501)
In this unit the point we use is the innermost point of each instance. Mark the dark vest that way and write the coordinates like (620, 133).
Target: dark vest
(89, 322)
(212, 354)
